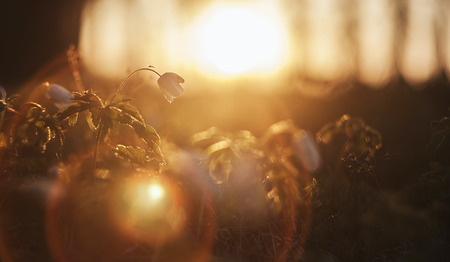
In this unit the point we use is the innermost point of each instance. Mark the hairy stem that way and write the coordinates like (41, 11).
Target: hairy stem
(149, 68)
(97, 142)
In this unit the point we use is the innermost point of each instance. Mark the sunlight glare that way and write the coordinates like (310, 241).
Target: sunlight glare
(155, 192)
(235, 39)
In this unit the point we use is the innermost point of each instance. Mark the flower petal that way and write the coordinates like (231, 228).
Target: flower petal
(60, 96)
(174, 76)
(169, 83)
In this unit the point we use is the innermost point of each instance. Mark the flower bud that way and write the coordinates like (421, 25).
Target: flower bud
(60, 96)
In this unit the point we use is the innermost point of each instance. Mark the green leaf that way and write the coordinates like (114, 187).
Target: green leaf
(40, 123)
(89, 97)
(111, 112)
(118, 99)
(73, 119)
(33, 105)
(146, 132)
(132, 111)
(45, 135)
(133, 154)
(94, 117)
(33, 113)
(103, 129)
(74, 108)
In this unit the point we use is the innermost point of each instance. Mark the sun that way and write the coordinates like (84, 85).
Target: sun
(236, 39)
(155, 192)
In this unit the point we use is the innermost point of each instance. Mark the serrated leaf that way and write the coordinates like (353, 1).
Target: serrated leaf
(118, 99)
(104, 126)
(77, 95)
(132, 111)
(73, 119)
(53, 133)
(33, 105)
(74, 108)
(45, 135)
(94, 117)
(90, 121)
(112, 113)
(94, 99)
(40, 123)
(33, 113)
(146, 132)
(133, 154)
(88, 96)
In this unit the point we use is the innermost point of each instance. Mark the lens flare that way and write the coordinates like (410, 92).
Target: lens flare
(155, 192)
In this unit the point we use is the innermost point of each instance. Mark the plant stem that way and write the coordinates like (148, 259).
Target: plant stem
(72, 57)
(97, 142)
(149, 68)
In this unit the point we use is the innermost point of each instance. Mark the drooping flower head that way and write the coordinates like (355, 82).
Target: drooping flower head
(60, 96)
(170, 85)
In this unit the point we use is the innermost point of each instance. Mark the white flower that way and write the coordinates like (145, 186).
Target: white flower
(60, 96)
(306, 150)
(169, 83)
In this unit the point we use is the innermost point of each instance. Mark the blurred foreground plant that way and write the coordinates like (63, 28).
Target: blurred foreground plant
(261, 203)
(343, 189)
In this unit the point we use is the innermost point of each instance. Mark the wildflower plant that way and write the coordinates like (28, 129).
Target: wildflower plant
(30, 127)
(75, 142)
